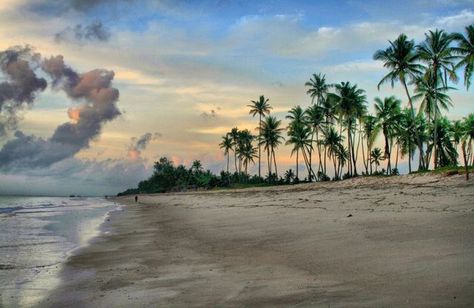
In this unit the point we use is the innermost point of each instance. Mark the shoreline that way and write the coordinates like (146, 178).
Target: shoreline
(361, 242)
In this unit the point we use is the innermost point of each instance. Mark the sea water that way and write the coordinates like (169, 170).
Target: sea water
(36, 236)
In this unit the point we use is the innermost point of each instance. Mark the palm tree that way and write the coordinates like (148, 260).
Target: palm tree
(315, 119)
(370, 129)
(432, 98)
(260, 107)
(271, 138)
(244, 144)
(388, 113)
(318, 88)
(466, 141)
(234, 134)
(406, 136)
(333, 142)
(465, 51)
(446, 154)
(351, 104)
(437, 53)
(296, 115)
(400, 58)
(289, 176)
(376, 157)
(299, 137)
(226, 145)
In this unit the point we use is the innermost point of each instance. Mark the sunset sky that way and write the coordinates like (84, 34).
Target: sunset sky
(186, 70)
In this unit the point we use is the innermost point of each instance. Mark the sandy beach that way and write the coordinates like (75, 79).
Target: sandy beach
(403, 241)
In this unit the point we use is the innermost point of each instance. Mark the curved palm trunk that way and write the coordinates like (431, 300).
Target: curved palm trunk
(318, 146)
(396, 156)
(421, 164)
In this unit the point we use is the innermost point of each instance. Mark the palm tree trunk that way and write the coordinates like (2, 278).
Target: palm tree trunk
(227, 162)
(417, 135)
(396, 156)
(318, 146)
(409, 158)
(269, 164)
(466, 167)
(363, 158)
(235, 160)
(274, 161)
(435, 139)
(354, 154)
(297, 150)
(259, 139)
(336, 171)
(325, 157)
(349, 165)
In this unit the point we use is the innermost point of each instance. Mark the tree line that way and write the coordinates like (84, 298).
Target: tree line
(337, 129)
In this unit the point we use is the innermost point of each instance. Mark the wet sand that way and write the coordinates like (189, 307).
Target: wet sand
(369, 242)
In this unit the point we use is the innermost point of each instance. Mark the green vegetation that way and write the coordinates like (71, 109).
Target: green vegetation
(337, 126)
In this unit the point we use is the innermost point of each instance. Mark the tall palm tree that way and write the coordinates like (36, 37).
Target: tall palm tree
(318, 88)
(333, 141)
(370, 129)
(437, 53)
(400, 58)
(260, 107)
(446, 153)
(296, 115)
(433, 98)
(271, 139)
(300, 137)
(234, 134)
(388, 112)
(315, 119)
(465, 51)
(226, 145)
(466, 141)
(351, 104)
(406, 136)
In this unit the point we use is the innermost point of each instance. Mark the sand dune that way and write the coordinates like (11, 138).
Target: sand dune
(369, 242)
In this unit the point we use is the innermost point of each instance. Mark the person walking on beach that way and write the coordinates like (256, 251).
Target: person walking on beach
(136, 199)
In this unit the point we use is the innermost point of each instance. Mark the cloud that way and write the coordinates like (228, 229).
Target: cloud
(95, 32)
(139, 144)
(97, 105)
(21, 85)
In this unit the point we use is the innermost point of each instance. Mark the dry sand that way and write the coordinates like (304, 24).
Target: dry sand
(408, 243)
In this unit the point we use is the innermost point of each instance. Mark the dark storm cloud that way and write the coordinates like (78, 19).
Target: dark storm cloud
(20, 84)
(96, 106)
(95, 31)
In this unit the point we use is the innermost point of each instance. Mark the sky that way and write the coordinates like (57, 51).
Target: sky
(145, 79)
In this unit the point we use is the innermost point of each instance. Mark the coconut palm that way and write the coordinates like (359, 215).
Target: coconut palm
(260, 107)
(465, 51)
(318, 88)
(271, 139)
(333, 142)
(370, 131)
(446, 153)
(433, 98)
(234, 134)
(466, 141)
(400, 58)
(299, 135)
(406, 136)
(351, 104)
(226, 145)
(388, 113)
(437, 53)
(376, 157)
(315, 119)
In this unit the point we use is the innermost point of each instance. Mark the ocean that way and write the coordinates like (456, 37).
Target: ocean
(36, 236)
